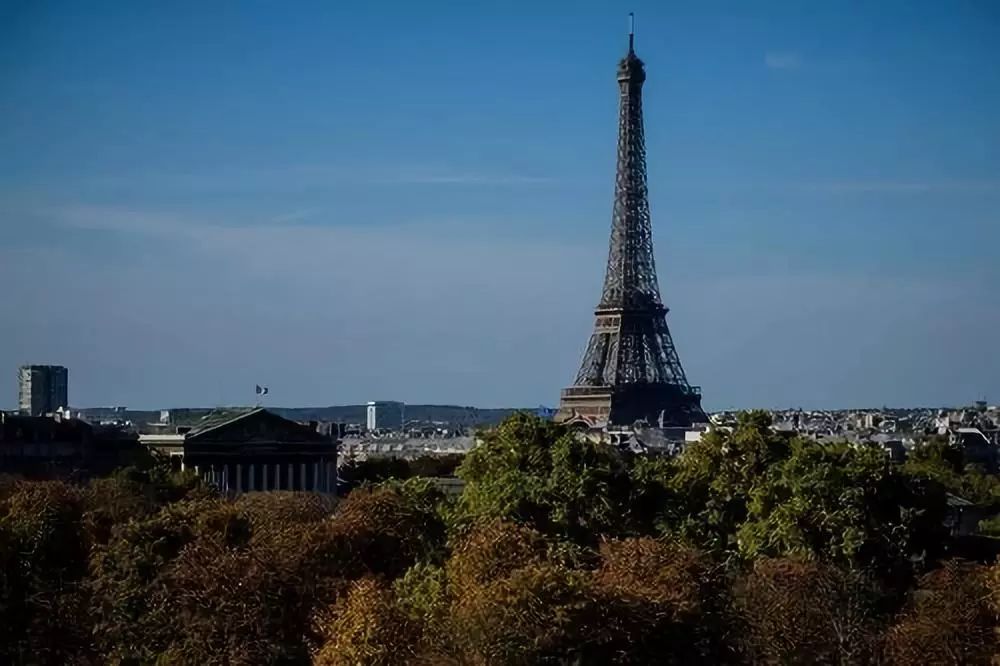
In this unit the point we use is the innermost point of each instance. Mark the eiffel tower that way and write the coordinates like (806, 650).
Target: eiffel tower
(631, 373)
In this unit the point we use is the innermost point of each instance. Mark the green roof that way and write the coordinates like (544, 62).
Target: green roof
(221, 417)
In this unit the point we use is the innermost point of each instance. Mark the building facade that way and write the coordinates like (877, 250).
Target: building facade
(42, 389)
(252, 450)
(59, 447)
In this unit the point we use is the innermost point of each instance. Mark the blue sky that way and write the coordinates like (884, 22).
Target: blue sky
(351, 201)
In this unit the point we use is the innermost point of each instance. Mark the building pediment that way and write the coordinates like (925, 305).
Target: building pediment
(256, 426)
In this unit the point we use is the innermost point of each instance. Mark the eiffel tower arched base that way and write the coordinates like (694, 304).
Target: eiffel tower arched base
(654, 405)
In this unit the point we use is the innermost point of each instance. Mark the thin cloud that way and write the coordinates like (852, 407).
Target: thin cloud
(905, 187)
(470, 179)
(231, 179)
(782, 60)
(122, 220)
(300, 215)
(199, 227)
(274, 283)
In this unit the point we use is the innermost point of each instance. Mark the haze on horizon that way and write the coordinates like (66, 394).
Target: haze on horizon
(412, 200)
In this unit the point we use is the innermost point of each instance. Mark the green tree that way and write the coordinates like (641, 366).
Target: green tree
(843, 503)
(715, 476)
(422, 595)
(938, 461)
(370, 471)
(541, 474)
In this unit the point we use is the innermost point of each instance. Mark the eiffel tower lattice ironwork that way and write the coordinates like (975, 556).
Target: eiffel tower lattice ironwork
(630, 371)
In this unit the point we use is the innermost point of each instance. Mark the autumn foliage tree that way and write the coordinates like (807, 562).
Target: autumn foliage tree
(367, 626)
(43, 564)
(216, 581)
(798, 611)
(749, 547)
(952, 618)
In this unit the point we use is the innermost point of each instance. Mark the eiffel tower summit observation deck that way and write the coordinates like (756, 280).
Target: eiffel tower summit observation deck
(631, 373)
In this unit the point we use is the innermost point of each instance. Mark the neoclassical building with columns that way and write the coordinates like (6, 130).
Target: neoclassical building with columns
(252, 450)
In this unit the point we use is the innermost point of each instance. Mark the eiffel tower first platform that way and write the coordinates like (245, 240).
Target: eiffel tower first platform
(631, 374)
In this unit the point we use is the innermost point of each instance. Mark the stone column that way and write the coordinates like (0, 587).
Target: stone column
(239, 478)
(263, 476)
(250, 481)
(277, 476)
(291, 476)
(316, 486)
(303, 480)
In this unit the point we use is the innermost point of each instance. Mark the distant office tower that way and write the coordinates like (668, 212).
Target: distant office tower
(42, 389)
(385, 415)
(630, 371)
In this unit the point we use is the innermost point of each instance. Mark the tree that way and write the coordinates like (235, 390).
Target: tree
(938, 461)
(951, 619)
(937, 454)
(714, 478)
(664, 603)
(537, 613)
(422, 594)
(795, 611)
(654, 503)
(493, 550)
(843, 503)
(217, 581)
(543, 475)
(384, 530)
(749, 547)
(370, 471)
(133, 620)
(367, 627)
(43, 563)
(436, 465)
(111, 501)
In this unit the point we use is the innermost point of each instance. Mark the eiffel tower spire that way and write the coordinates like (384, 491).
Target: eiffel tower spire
(630, 371)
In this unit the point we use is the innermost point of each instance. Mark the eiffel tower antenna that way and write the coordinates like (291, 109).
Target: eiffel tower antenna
(630, 372)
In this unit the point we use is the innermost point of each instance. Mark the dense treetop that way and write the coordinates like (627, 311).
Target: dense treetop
(749, 547)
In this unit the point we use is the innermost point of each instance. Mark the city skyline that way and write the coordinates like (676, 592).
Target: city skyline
(348, 204)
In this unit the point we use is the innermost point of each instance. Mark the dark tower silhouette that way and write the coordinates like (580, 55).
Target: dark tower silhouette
(631, 372)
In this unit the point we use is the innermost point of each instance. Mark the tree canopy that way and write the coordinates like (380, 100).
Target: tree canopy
(751, 546)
